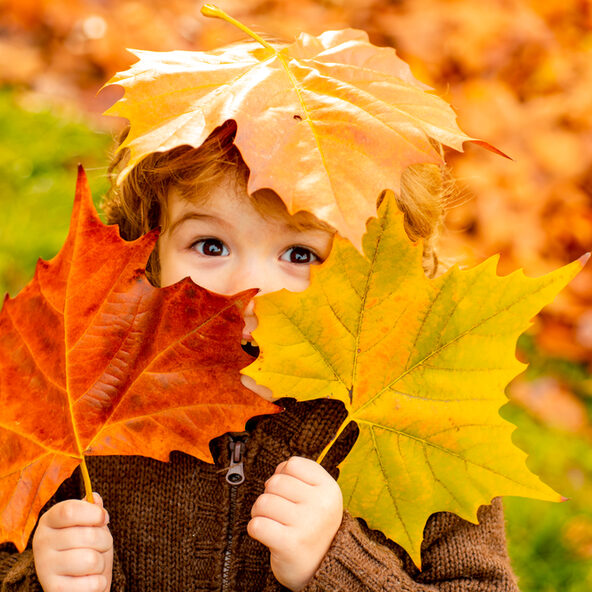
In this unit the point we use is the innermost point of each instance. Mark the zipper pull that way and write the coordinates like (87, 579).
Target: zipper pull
(235, 474)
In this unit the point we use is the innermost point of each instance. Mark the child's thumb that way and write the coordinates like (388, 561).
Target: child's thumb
(99, 501)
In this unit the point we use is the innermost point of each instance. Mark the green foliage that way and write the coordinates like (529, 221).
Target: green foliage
(39, 152)
(574, 375)
(550, 543)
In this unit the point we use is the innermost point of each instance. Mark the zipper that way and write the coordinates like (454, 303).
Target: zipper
(235, 475)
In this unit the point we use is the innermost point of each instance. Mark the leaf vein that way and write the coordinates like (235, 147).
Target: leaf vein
(31, 353)
(388, 484)
(151, 362)
(439, 448)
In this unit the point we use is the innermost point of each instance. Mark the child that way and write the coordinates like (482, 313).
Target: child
(189, 525)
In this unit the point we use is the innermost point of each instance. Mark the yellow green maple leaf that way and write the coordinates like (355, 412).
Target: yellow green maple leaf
(421, 366)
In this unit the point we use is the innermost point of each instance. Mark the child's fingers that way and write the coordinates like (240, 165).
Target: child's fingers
(94, 583)
(99, 502)
(270, 533)
(304, 469)
(82, 537)
(288, 487)
(79, 562)
(277, 508)
(258, 389)
(74, 513)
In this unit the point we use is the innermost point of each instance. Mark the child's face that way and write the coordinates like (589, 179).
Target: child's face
(225, 245)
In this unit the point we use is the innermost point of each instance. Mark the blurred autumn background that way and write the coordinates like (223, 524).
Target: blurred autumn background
(519, 74)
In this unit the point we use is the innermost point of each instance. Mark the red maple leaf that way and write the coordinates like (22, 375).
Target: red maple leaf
(94, 360)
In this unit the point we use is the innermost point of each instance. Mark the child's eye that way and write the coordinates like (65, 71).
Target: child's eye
(300, 255)
(211, 247)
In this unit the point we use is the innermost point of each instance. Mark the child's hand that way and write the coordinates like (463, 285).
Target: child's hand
(73, 548)
(297, 517)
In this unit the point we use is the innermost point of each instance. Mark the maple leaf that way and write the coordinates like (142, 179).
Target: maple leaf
(96, 361)
(420, 364)
(349, 113)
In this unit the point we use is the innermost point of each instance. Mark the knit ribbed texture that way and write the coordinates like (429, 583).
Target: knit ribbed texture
(177, 525)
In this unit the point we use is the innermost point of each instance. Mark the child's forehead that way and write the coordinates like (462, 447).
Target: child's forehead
(228, 196)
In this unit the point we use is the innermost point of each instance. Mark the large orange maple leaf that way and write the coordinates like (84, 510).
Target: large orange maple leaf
(94, 360)
(327, 122)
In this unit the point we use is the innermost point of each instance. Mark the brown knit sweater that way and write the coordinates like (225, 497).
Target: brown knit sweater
(180, 526)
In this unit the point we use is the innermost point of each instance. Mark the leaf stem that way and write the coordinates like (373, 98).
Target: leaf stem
(215, 12)
(342, 427)
(86, 479)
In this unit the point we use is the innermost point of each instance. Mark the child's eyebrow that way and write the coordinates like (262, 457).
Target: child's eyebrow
(196, 216)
